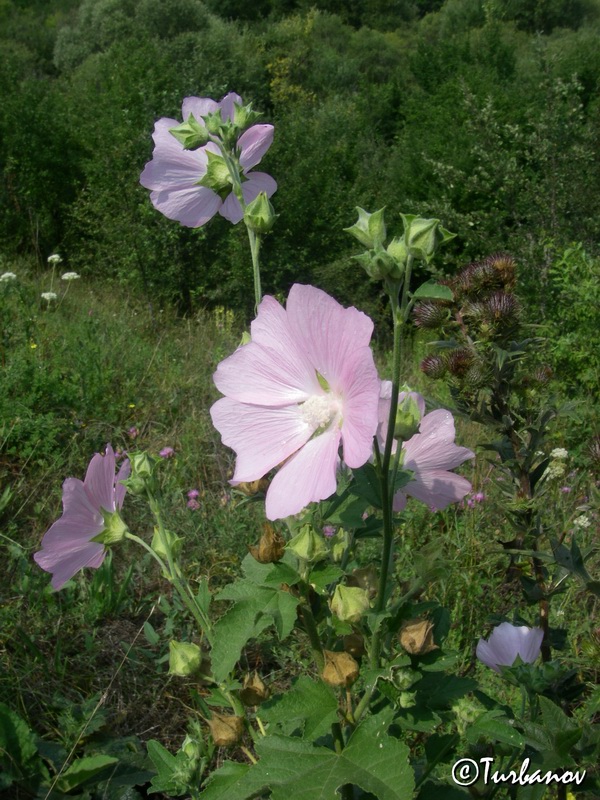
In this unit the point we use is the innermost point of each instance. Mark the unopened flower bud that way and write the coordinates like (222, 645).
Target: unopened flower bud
(308, 545)
(244, 116)
(226, 729)
(369, 229)
(254, 691)
(434, 366)
(459, 361)
(191, 133)
(270, 547)
(185, 658)
(142, 473)
(340, 669)
(349, 603)
(260, 215)
(366, 578)
(416, 637)
(429, 315)
(398, 251)
(169, 540)
(423, 237)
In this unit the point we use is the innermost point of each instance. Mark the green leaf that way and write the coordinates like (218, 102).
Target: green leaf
(17, 745)
(151, 635)
(312, 704)
(291, 767)
(322, 575)
(171, 770)
(255, 608)
(439, 692)
(433, 291)
(83, 770)
(367, 485)
(495, 726)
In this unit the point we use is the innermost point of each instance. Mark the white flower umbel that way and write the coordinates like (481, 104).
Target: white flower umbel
(54, 259)
(559, 453)
(582, 522)
(70, 276)
(6, 277)
(49, 296)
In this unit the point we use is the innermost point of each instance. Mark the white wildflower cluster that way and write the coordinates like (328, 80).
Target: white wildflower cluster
(54, 259)
(69, 276)
(582, 522)
(49, 296)
(559, 453)
(7, 276)
(555, 469)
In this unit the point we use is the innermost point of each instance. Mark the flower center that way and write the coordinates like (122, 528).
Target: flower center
(319, 410)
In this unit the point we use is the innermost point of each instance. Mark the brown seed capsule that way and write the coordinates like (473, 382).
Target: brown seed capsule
(226, 729)
(254, 691)
(253, 487)
(270, 547)
(340, 669)
(416, 637)
(354, 644)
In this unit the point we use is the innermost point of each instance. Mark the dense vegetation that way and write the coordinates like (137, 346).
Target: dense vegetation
(482, 113)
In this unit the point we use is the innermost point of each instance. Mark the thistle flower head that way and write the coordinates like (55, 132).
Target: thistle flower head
(459, 361)
(429, 315)
(434, 366)
(477, 277)
(505, 266)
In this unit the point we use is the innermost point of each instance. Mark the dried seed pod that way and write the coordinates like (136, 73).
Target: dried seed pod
(270, 547)
(416, 637)
(226, 729)
(253, 487)
(254, 691)
(434, 366)
(340, 669)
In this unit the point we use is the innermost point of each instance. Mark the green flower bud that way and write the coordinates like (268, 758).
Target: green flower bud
(260, 215)
(114, 528)
(349, 603)
(192, 134)
(185, 658)
(308, 545)
(408, 418)
(398, 251)
(172, 542)
(214, 122)
(369, 229)
(142, 473)
(423, 237)
(244, 116)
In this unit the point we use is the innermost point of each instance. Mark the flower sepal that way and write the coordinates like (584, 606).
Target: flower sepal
(369, 229)
(142, 473)
(260, 215)
(217, 175)
(191, 134)
(173, 543)
(349, 603)
(308, 546)
(185, 658)
(423, 237)
(408, 418)
(114, 529)
(244, 116)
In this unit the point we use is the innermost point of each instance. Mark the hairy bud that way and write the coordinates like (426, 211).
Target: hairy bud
(434, 366)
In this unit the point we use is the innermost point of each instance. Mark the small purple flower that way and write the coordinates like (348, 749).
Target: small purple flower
(507, 642)
(329, 531)
(479, 497)
(133, 432)
(471, 502)
(565, 489)
(167, 452)
(193, 494)
(174, 174)
(193, 504)
(68, 545)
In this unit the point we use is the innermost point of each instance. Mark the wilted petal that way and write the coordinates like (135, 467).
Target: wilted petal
(261, 437)
(253, 144)
(307, 477)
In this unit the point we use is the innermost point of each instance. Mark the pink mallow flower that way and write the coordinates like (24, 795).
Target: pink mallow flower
(507, 642)
(174, 173)
(68, 545)
(429, 454)
(304, 384)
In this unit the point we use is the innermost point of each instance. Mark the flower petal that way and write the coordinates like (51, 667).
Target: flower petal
(198, 106)
(307, 477)
(226, 105)
(328, 333)
(261, 437)
(172, 167)
(64, 567)
(436, 488)
(191, 207)
(120, 490)
(253, 144)
(99, 480)
(360, 407)
(433, 447)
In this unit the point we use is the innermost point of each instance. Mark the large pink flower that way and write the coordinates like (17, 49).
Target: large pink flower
(507, 642)
(67, 546)
(303, 385)
(173, 175)
(429, 454)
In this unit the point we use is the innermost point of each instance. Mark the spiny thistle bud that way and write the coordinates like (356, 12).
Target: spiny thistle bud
(477, 375)
(254, 691)
(505, 266)
(270, 547)
(474, 312)
(459, 361)
(429, 315)
(434, 366)
(226, 729)
(477, 277)
(340, 669)
(416, 637)
(354, 644)
(501, 307)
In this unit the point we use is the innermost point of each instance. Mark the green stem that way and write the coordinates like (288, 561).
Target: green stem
(315, 642)
(147, 547)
